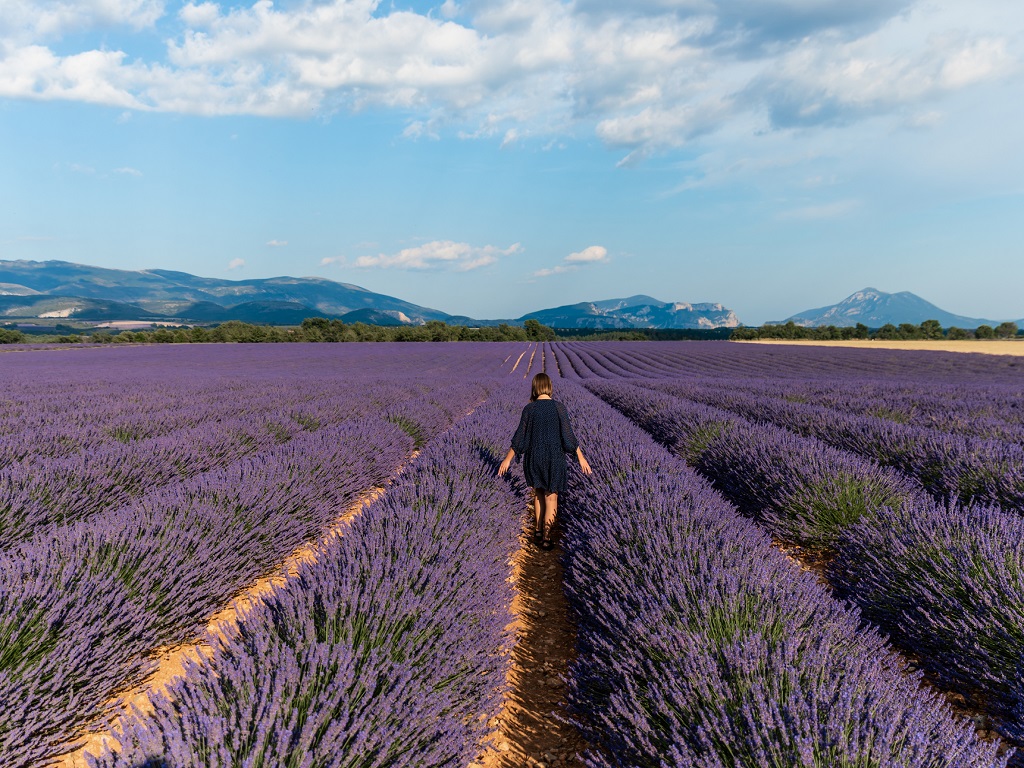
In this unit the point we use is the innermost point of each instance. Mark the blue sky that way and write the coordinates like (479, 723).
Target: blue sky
(494, 158)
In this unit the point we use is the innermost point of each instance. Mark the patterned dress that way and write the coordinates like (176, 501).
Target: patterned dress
(543, 438)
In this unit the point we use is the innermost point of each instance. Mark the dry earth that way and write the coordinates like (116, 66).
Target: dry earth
(1002, 347)
(531, 731)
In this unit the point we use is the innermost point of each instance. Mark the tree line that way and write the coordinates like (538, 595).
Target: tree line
(313, 329)
(319, 329)
(929, 329)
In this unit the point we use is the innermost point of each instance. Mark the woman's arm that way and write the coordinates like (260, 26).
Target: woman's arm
(506, 462)
(584, 464)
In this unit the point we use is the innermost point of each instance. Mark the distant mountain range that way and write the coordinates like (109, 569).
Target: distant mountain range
(76, 291)
(876, 308)
(636, 312)
(60, 289)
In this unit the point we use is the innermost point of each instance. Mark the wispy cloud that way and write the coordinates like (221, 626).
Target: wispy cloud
(439, 254)
(277, 243)
(236, 264)
(128, 171)
(592, 254)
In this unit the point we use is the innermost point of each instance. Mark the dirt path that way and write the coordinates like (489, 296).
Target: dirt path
(222, 624)
(994, 347)
(529, 365)
(529, 732)
(518, 360)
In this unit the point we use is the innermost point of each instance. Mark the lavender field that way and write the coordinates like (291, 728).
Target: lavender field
(784, 556)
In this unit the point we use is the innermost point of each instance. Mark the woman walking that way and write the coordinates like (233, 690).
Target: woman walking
(543, 438)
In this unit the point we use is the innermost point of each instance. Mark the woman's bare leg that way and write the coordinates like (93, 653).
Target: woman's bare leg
(538, 511)
(550, 513)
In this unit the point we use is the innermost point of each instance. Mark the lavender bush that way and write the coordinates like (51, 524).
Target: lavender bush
(949, 580)
(948, 464)
(803, 490)
(386, 651)
(700, 644)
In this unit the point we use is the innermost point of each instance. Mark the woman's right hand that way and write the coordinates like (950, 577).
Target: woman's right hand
(506, 462)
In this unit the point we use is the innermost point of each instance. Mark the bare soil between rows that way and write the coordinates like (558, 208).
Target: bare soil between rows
(531, 731)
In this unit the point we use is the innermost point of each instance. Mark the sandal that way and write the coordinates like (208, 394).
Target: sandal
(547, 545)
(538, 537)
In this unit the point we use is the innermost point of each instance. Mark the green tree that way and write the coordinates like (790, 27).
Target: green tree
(744, 334)
(11, 336)
(535, 331)
(1006, 330)
(984, 332)
(315, 328)
(931, 329)
(956, 334)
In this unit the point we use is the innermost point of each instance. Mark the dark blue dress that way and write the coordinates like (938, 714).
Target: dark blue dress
(543, 438)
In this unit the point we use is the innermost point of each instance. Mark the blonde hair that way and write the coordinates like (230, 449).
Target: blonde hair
(541, 386)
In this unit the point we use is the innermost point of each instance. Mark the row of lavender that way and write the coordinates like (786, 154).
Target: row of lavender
(700, 644)
(946, 581)
(40, 491)
(974, 406)
(964, 466)
(389, 650)
(66, 453)
(723, 359)
(989, 411)
(82, 603)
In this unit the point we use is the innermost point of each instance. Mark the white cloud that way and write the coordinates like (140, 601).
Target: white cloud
(199, 15)
(644, 76)
(326, 261)
(439, 254)
(277, 243)
(589, 255)
(128, 171)
(36, 20)
(592, 254)
(236, 264)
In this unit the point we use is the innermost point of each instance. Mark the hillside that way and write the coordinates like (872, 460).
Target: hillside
(876, 308)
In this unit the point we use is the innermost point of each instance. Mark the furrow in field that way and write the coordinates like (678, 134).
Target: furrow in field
(532, 728)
